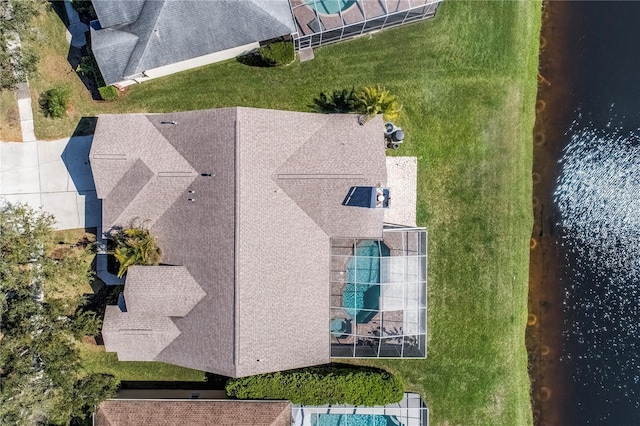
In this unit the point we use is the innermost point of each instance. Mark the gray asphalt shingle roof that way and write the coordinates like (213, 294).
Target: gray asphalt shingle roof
(256, 238)
(145, 34)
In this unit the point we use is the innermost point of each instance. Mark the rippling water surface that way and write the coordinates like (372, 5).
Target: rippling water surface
(598, 196)
(598, 202)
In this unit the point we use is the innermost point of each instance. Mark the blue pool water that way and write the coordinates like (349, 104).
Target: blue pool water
(363, 269)
(329, 7)
(354, 420)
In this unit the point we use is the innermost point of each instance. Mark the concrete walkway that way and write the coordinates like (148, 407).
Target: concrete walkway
(55, 175)
(23, 95)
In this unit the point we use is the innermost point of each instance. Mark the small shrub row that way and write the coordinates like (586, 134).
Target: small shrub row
(278, 53)
(322, 385)
(369, 101)
(108, 93)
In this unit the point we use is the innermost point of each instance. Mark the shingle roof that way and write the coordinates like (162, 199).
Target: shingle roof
(123, 412)
(137, 335)
(145, 34)
(167, 290)
(256, 236)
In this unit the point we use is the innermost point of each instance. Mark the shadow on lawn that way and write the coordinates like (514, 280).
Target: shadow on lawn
(212, 382)
(81, 55)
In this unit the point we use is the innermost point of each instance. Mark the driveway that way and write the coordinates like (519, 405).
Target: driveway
(55, 175)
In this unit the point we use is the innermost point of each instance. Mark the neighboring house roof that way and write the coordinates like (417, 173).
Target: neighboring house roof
(141, 35)
(123, 412)
(255, 240)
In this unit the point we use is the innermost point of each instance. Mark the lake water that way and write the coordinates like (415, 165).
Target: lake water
(596, 197)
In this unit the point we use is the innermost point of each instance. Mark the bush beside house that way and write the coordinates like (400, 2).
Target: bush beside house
(278, 53)
(135, 246)
(108, 93)
(322, 385)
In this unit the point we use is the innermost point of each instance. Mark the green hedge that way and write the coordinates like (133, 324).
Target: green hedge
(108, 93)
(278, 53)
(322, 385)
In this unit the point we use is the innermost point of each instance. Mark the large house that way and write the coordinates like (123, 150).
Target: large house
(275, 253)
(410, 411)
(136, 40)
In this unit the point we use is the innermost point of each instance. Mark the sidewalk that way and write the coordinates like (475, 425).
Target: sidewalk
(23, 96)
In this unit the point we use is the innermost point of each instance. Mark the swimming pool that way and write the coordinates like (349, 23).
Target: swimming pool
(330, 7)
(354, 420)
(361, 294)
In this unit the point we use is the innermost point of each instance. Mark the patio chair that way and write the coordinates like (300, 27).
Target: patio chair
(340, 327)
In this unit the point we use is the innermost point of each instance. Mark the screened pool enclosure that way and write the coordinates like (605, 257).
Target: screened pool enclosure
(325, 21)
(410, 411)
(379, 295)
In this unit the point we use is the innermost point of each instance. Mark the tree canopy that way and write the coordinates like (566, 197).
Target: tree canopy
(41, 379)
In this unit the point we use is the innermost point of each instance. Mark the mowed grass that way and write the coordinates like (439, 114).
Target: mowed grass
(467, 81)
(96, 360)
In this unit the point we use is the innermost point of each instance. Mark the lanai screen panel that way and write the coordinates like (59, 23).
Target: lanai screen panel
(326, 21)
(379, 295)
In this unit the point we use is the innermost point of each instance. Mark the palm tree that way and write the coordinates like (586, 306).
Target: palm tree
(136, 246)
(371, 101)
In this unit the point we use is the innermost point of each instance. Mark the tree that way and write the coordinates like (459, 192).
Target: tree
(90, 391)
(371, 101)
(135, 246)
(86, 323)
(40, 370)
(16, 64)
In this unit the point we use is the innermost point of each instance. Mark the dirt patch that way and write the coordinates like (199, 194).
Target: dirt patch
(544, 331)
(10, 130)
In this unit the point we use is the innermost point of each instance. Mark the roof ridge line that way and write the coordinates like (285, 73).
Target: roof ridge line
(236, 244)
(127, 70)
(275, 178)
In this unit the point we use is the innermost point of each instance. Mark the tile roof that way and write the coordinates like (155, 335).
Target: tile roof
(122, 412)
(256, 238)
(145, 34)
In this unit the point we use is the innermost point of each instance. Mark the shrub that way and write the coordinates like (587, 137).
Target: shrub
(371, 101)
(339, 101)
(108, 93)
(84, 7)
(322, 385)
(88, 67)
(56, 101)
(278, 53)
(135, 246)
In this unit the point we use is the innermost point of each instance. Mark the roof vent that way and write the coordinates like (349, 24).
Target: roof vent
(368, 197)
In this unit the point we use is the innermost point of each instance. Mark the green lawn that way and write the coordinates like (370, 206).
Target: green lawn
(467, 80)
(96, 360)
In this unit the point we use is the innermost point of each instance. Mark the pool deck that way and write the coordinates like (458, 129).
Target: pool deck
(402, 178)
(309, 21)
